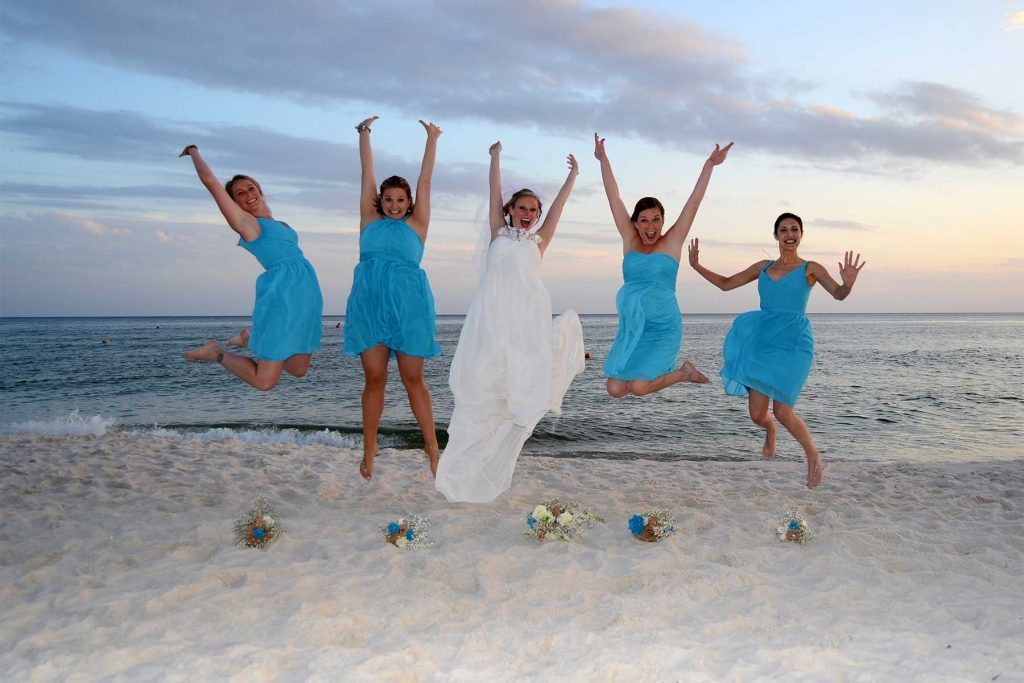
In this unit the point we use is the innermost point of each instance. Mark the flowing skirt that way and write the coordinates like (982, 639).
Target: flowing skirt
(512, 365)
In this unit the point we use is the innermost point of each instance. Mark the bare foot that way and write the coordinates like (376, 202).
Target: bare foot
(366, 464)
(208, 351)
(240, 340)
(815, 471)
(434, 456)
(692, 374)
(768, 449)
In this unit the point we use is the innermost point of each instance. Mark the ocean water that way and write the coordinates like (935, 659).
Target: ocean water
(884, 387)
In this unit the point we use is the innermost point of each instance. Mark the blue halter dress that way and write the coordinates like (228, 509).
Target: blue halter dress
(287, 315)
(650, 325)
(771, 350)
(390, 302)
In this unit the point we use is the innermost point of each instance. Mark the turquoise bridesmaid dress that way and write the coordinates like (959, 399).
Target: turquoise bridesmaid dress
(771, 350)
(287, 316)
(650, 325)
(390, 302)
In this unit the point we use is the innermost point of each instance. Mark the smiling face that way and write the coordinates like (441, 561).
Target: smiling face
(394, 202)
(789, 232)
(524, 213)
(247, 194)
(649, 224)
(395, 198)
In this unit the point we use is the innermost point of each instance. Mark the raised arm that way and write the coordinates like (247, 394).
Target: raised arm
(368, 179)
(420, 218)
(611, 190)
(547, 229)
(724, 283)
(496, 212)
(681, 228)
(849, 269)
(240, 220)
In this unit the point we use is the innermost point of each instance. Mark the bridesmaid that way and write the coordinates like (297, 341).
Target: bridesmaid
(287, 316)
(390, 311)
(768, 353)
(650, 332)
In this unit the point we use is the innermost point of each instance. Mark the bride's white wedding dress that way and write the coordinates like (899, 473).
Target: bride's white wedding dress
(512, 365)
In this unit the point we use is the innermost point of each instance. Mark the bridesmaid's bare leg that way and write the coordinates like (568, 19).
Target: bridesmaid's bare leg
(240, 340)
(375, 369)
(687, 372)
(411, 370)
(785, 414)
(757, 404)
(262, 375)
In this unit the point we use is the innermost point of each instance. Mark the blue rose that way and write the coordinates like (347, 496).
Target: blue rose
(259, 534)
(530, 521)
(794, 525)
(409, 535)
(393, 528)
(637, 524)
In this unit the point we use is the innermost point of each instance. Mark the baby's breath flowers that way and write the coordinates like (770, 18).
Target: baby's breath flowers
(407, 533)
(653, 525)
(554, 520)
(257, 528)
(794, 529)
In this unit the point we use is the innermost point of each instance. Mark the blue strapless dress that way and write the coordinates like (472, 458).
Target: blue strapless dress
(771, 350)
(390, 302)
(650, 326)
(287, 316)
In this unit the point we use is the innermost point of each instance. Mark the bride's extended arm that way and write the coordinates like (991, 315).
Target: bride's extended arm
(496, 210)
(547, 230)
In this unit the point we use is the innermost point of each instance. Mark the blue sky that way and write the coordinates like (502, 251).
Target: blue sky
(894, 129)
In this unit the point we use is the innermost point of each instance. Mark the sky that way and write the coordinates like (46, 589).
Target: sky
(895, 130)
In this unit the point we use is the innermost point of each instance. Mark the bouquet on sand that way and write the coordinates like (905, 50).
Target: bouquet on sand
(564, 522)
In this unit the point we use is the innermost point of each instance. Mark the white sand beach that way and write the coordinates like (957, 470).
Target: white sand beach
(119, 563)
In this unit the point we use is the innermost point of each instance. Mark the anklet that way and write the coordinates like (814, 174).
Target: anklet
(220, 357)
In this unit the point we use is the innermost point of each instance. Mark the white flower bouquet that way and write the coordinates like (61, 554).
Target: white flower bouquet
(554, 520)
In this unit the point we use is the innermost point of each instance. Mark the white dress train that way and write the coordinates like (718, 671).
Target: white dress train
(512, 365)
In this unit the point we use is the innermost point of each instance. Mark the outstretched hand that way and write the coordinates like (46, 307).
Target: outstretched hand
(574, 167)
(495, 148)
(599, 152)
(433, 130)
(366, 123)
(188, 150)
(850, 268)
(719, 155)
(694, 252)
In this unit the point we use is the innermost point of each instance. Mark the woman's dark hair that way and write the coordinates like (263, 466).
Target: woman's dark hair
(231, 183)
(784, 216)
(389, 183)
(644, 204)
(507, 209)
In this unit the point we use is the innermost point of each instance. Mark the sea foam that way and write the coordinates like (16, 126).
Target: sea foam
(72, 424)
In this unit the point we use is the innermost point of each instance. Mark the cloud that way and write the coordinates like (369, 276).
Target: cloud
(562, 67)
(1014, 21)
(294, 170)
(842, 224)
(953, 108)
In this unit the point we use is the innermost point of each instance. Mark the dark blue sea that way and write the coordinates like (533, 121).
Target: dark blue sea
(904, 387)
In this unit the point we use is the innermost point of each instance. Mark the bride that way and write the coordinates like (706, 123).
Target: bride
(513, 363)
